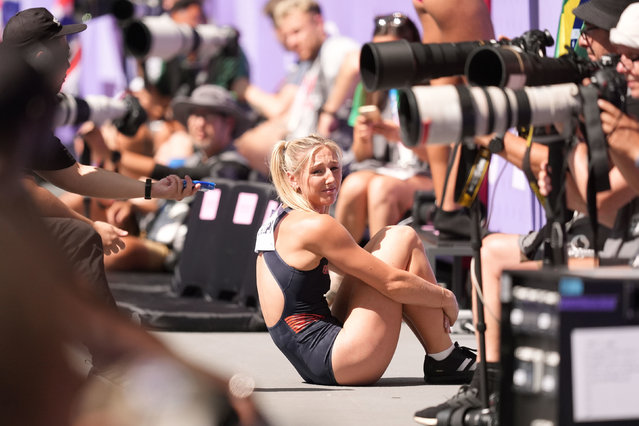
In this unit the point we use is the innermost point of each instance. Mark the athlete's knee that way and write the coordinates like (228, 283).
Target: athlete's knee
(499, 249)
(405, 235)
(382, 190)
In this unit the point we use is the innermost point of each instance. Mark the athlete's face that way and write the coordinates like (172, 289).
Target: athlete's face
(320, 181)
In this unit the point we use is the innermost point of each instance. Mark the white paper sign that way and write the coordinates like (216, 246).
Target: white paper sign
(605, 373)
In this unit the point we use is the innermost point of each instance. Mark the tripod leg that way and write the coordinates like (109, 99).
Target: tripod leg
(475, 240)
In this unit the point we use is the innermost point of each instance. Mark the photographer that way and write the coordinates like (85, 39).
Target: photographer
(42, 40)
(510, 251)
(181, 75)
(621, 129)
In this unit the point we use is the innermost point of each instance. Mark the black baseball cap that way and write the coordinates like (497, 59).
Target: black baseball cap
(602, 13)
(36, 25)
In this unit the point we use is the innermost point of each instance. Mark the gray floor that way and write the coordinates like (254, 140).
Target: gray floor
(285, 400)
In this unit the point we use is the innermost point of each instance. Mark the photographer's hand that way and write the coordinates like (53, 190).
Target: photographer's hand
(543, 180)
(622, 131)
(389, 129)
(326, 123)
(362, 138)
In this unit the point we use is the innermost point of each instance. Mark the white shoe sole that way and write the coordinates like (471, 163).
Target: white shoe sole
(427, 422)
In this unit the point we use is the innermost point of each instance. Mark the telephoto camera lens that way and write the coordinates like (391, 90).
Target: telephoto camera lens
(505, 66)
(127, 114)
(162, 37)
(401, 63)
(448, 113)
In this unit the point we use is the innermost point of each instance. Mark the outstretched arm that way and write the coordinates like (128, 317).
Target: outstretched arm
(95, 182)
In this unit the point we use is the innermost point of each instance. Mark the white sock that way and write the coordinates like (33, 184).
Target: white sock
(443, 354)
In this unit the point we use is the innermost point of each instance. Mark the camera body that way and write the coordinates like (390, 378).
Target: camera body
(611, 85)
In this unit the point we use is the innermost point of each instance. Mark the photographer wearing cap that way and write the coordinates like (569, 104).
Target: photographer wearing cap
(41, 39)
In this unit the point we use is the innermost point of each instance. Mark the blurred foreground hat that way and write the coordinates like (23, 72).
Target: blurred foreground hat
(36, 25)
(214, 98)
(602, 13)
(626, 33)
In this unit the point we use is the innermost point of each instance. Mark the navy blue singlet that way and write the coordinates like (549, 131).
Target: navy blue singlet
(306, 331)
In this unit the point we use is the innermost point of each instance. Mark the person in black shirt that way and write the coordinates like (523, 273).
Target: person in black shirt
(41, 39)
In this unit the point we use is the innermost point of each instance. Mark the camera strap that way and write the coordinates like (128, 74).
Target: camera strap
(473, 161)
(597, 154)
(473, 164)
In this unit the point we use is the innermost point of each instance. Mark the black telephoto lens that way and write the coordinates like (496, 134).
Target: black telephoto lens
(400, 63)
(513, 68)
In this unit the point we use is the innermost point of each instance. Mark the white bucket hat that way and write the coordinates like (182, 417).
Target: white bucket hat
(626, 33)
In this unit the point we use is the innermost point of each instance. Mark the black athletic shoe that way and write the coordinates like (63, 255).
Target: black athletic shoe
(467, 398)
(456, 225)
(456, 368)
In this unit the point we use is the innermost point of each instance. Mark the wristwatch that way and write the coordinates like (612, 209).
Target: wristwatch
(116, 156)
(496, 144)
(147, 189)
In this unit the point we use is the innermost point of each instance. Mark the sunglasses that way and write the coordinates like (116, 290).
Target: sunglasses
(587, 30)
(394, 20)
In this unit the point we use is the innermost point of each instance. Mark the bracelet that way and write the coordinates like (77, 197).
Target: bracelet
(324, 111)
(147, 189)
